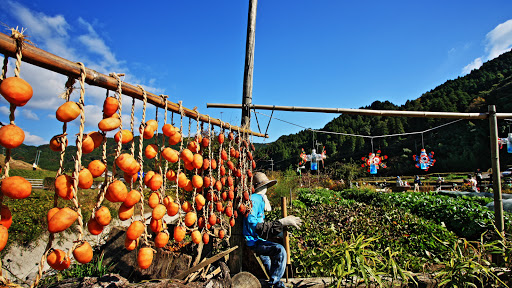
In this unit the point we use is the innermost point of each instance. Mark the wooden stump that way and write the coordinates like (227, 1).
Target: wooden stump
(165, 264)
(245, 280)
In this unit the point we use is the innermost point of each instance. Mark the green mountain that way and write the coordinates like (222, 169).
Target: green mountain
(462, 146)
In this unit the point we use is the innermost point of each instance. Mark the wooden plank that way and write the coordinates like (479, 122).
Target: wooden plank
(49, 61)
(205, 263)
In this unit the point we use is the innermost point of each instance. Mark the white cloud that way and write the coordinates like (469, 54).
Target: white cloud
(4, 110)
(31, 139)
(48, 31)
(27, 113)
(473, 65)
(93, 115)
(96, 45)
(75, 40)
(498, 41)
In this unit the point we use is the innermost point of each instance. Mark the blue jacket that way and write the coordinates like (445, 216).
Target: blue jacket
(256, 216)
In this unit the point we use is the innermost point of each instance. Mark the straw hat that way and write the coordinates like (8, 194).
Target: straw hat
(260, 181)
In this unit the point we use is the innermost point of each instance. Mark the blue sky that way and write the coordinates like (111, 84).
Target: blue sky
(343, 54)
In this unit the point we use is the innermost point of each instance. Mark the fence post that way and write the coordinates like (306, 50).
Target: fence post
(496, 173)
(286, 237)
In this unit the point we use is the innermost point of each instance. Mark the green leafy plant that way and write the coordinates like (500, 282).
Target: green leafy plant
(468, 264)
(350, 260)
(327, 217)
(95, 268)
(463, 215)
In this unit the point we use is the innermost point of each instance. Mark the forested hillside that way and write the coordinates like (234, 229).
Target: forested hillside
(463, 146)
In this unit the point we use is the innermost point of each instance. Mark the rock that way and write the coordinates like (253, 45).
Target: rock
(109, 280)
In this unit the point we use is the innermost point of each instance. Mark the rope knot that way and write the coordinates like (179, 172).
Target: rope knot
(180, 109)
(19, 37)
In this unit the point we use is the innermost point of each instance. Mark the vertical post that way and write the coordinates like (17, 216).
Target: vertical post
(286, 237)
(249, 63)
(291, 198)
(496, 173)
(235, 259)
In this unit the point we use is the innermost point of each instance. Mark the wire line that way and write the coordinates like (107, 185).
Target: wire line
(364, 136)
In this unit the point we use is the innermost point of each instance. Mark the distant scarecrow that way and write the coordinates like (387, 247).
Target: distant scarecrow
(424, 161)
(374, 162)
(313, 157)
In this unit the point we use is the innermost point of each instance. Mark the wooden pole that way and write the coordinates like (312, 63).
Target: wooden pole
(249, 64)
(496, 173)
(237, 238)
(368, 112)
(286, 237)
(46, 60)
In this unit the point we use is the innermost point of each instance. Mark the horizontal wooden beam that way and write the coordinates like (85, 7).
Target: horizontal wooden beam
(63, 66)
(392, 113)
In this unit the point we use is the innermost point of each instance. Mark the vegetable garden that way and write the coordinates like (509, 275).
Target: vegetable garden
(359, 235)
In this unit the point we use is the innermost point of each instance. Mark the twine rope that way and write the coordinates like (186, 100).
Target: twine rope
(118, 94)
(20, 39)
(132, 120)
(210, 174)
(166, 166)
(177, 197)
(106, 180)
(198, 133)
(4, 68)
(78, 160)
(158, 166)
(141, 162)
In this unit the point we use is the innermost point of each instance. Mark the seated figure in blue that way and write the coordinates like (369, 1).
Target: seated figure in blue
(256, 231)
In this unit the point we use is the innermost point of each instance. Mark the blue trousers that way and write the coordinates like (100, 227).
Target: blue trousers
(273, 256)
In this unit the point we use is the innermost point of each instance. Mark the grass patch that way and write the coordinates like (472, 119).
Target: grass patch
(32, 174)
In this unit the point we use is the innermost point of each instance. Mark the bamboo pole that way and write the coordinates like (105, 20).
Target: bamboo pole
(496, 173)
(368, 112)
(286, 237)
(46, 60)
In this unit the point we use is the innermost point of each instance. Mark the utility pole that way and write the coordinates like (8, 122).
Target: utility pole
(272, 164)
(318, 144)
(237, 239)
